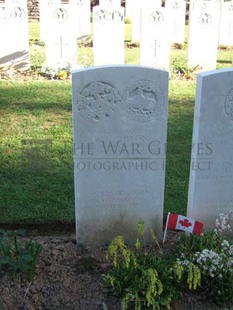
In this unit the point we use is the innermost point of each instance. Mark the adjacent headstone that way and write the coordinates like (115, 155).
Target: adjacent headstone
(155, 47)
(226, 24)
(211, 172)
(46, 8)
(110, 2)
(136, 20)
(108, 35)
(120, 128)
(177, 14)
(61, 38)
(129, 8)
(14, 35)
(138, 6)
(82, 15)
(204, 17)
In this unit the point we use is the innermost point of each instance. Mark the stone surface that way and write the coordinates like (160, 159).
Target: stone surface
(82, 14)
(138, 7)
(46, 8)
(108, 35)
(211, 171)
(204, 17)
(155, 48)
(177, 15)
(120, 127)
(226, 24)
(14, 51)
(61, 36)
(110, 2)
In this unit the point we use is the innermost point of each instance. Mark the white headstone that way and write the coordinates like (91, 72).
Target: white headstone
(46, 7)
(204, 19)
(129, 8)
(177, 15)
(110, 2)
(211, 171)
(82, 15)
(138, 6)
(14, 35)
(108, 35)
(136, 20)
(226, 24)
(155, 37)
(61, 38)
(120, 128)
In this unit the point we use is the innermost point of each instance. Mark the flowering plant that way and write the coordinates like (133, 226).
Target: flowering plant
(212, 254)
(223, 222)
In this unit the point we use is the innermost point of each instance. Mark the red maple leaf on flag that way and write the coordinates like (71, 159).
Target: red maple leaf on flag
(185, 223)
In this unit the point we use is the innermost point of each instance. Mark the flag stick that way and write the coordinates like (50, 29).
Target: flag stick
(165, 230)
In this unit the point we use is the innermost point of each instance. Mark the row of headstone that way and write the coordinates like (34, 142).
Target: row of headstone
(62, 23)
(165, 25)
(120, 136)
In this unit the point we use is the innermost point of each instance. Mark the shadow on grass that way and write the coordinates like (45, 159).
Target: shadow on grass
(37, 183)
(36, 95)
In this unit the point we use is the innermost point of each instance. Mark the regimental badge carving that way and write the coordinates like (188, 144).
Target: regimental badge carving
(2, 13)
(108, 16)
(17, 14)
(143, 100)
(229, 105)
(60, 15)
(156, 17)
(79, 2)
(205, 19)
(98, 101)
(176, 6)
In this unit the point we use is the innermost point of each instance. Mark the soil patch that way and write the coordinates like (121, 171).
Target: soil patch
(69, 277)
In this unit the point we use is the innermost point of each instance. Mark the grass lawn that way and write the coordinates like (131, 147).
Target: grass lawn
(36, 164)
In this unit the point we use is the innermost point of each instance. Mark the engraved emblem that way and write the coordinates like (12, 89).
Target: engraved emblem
(98, 101)
(229, 105)
(106, 16)
(176, 6)
(156, 17)
(79, 2)
(60, 15)
(17, 14)
(205, 19)
(143, 100)
(2, 13)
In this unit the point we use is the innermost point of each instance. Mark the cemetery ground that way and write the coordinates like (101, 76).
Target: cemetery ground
(37, 190)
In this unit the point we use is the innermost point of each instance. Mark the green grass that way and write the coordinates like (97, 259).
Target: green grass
(36, 163)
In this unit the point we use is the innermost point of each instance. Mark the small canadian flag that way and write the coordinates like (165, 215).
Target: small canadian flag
(180, 222)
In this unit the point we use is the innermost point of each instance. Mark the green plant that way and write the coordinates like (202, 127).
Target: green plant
(128, 20)
(58, 72)
(224, 222)
(212, 254)
(16, 256)
(181, 69)
(143, 278)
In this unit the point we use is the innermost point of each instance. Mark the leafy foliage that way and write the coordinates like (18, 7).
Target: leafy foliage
(145, 279)
(17, 257)
(212, 254)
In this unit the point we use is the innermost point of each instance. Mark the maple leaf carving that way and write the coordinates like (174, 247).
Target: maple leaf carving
(185, 223)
